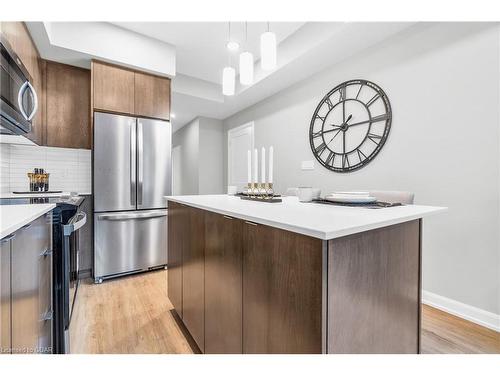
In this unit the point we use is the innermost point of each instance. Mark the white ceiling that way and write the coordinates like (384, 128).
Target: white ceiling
(305, 48)
(201, 46)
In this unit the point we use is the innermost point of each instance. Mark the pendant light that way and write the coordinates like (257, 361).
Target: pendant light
(268, 50)
(246, 63)
(228, 74)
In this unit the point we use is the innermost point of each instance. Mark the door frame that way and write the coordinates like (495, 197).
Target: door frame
(250, 125)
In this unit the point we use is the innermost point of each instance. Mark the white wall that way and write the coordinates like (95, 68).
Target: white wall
(443, 84)
(70, 169)
(188, 139)
(201, 156)
(211, 146)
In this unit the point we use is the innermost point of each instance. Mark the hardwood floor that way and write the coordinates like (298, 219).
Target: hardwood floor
(445, 333)
(133, 315)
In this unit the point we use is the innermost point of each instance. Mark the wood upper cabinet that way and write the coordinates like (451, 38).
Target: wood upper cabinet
(177, 228)
(193, 278)
(152, 96)
(67, 106)
(223, 284)
(282, 291)
(117, 89)
(113, 88)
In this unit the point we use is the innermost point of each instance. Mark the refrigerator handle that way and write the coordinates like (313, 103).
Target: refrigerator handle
(133, 142)
(140, 162)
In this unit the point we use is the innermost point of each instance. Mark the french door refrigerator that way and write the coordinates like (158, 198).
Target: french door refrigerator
(132, 174)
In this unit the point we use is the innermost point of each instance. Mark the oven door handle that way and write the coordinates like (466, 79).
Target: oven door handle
(75, 223)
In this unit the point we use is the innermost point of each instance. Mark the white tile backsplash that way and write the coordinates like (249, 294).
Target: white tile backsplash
(70, 169)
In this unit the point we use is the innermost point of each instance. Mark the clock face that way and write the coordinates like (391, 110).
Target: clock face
(350, 125)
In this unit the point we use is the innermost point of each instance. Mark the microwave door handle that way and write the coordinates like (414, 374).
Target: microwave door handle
(140, 163)
(20, 96)
(35, 101)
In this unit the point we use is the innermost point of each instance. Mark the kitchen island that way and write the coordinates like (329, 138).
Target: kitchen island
(291, 277)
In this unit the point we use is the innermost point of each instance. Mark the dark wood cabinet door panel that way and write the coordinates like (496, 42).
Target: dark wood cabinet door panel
(373, 291)
(223, 284)
(67, 106)
(152, 96)
(193, 277)
(176, 234)
(113, 88)
(282, 291)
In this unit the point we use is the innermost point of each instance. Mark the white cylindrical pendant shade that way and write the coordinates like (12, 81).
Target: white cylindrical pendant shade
(246, 68)
(268, 50)
(228, 80)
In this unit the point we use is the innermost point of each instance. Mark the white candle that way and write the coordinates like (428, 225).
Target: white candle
(249, 167)
(263, 161)
(271, 164)
(255, 166)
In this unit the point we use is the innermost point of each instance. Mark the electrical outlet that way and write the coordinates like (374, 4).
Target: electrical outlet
(308, 165)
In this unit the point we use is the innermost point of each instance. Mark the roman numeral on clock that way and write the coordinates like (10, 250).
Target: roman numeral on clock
(320, 118)
(345, 161)
(361, 155)
(373, 100)
(374, 138)
(320, 149)
(329, 103)
(342, 93)
(330, 159)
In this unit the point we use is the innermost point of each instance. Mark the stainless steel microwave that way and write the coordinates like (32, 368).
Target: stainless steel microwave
(19, 102)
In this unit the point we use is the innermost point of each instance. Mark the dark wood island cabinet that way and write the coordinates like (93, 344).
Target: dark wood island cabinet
(241, 286)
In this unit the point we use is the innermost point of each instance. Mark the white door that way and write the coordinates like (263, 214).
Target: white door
(239, 141)
(176, 171)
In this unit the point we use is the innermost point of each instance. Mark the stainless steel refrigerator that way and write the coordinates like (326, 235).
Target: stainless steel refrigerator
(132, 174)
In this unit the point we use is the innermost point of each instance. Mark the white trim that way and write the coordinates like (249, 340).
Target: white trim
(234, 130)
(482, 317)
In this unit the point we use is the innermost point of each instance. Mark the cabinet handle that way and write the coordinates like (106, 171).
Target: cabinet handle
(46, 252)
(249, 222)
(25, 226)
(8, 238)
(228, 217)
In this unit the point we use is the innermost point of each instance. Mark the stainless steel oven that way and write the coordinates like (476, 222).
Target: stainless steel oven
(19, 102)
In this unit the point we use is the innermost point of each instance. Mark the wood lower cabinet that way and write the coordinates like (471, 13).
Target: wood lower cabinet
(152, 96)
(193, 275)
(177, 227)
(67, 106)
(113, 88)
(223, 284)
(282, 291)
(246, 288)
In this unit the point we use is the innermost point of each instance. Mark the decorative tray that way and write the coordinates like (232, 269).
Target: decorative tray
(261, 199)
(373, 205)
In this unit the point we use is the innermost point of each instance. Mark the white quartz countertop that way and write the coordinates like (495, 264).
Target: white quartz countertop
(39, 195)
(312, 219)
(13, 217)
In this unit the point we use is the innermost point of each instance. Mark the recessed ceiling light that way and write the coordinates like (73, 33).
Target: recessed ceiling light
(232, 45)
(172, 115)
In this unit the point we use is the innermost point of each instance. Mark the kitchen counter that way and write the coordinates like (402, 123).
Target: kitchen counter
(321, 221)
(38, 195)
(14, 217)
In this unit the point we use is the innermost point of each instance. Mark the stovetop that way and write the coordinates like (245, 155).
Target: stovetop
(73, 200)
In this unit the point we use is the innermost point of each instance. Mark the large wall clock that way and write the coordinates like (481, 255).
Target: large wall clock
(350, 125)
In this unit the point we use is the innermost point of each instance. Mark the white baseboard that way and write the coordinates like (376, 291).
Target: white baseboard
(482, 317)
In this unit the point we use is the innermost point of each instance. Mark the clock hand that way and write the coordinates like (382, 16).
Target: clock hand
(338, 131)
